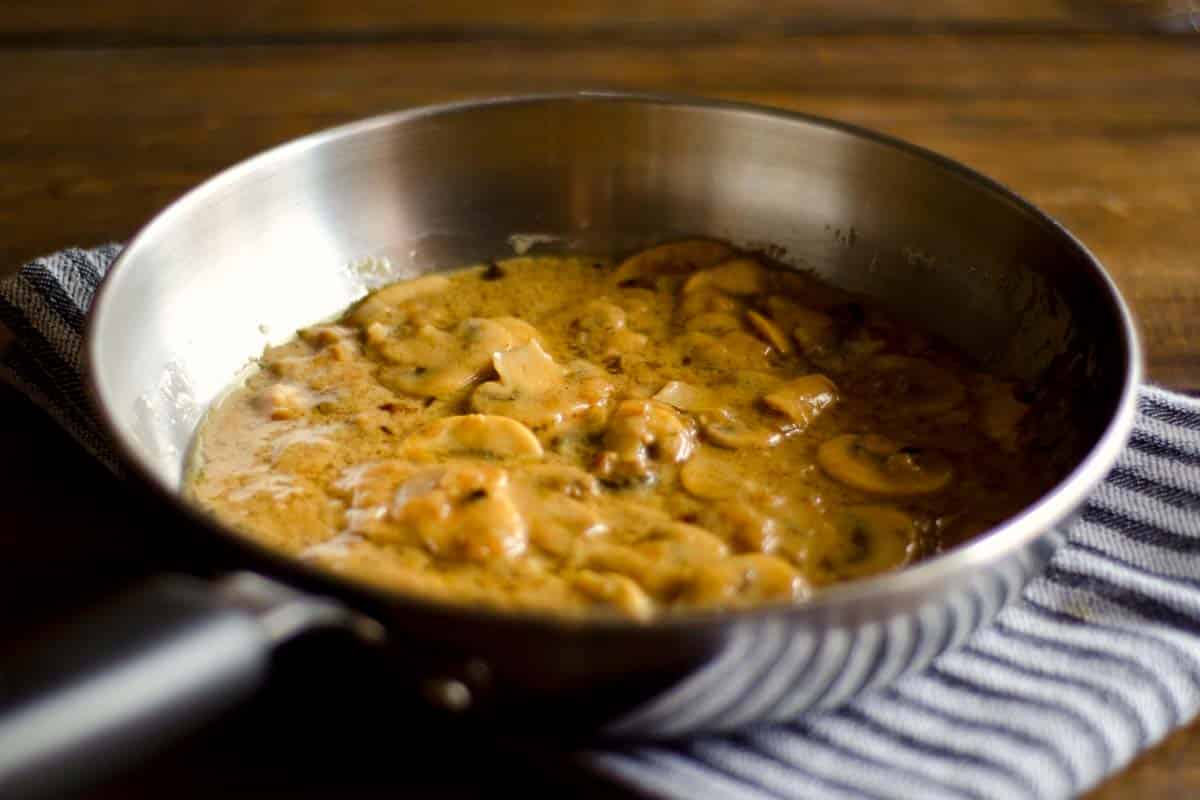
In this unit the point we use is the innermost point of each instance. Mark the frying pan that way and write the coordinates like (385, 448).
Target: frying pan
(298, 233)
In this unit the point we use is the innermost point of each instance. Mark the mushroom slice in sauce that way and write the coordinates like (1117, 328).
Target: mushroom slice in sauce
(536, 391)
(599, 329)
(870, 540)
(744, 524)
(642, 433)
(617, 590)
(721, 426)
(479, 435)
(744, 579)
(769, 331)
(724, 429)
(998, 411)
(913, 386)
(379, 304)
(685, 396)
(563, 479)
(739, 276)
(706, 301)
(680, 542)
(433, 362)
(709, 476)
(557, 523)
(527, 375)
(728, 351)
(520, 330)
(715, 323)
(814, 331)
(802, 400)
(672, 258)
(879, 465)
(458, 511)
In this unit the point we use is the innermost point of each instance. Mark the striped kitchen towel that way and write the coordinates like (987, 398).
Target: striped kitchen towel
(1097, 661)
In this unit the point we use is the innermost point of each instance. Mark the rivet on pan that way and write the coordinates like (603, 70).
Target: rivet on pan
(449, 694)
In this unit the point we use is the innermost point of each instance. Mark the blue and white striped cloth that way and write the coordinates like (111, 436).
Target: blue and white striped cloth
(1098, 660)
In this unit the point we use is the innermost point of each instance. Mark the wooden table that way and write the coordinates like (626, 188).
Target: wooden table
(1091, 110)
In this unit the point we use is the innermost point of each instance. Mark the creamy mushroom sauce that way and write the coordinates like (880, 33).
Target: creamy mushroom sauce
(691, 427)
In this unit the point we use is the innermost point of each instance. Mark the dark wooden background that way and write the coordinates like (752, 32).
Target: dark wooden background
(1090, 109)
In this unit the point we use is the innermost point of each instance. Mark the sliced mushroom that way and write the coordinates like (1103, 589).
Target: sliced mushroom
(860, 347)
(729, 351)
(616, 590)
(661, 554)
(767, 329)
(599, 330)
(638, 301)
(707, 301)
(459, 512)
(587, 396)
(557, 522)
(803, 517)
(607, 556)
(640, 433)
(724, 429)
(739, 276)
(802, 400)
(538, 392)
(715, 323)
(913, 386)
(478, 435)
(672, 258)
(830, 343)
(814, 331)
(745, 579)
(527, 370)
(562, 479)
(520, 330)
(595, 321)
(685, 396)
(998, 411)
(869, 540)
(379, 304)
(624, 343)
(879, 465)
(743, 524)
(680, 543)
(433, 362)
(708, 476)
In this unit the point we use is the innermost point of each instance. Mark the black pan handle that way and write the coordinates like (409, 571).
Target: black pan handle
(142, 671)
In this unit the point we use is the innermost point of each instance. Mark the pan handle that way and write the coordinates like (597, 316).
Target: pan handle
(135, 675)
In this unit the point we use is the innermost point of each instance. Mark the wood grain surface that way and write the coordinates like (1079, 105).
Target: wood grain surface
(1089, 109)
(139, 21)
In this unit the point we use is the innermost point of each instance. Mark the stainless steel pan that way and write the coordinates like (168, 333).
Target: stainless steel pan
(296, 234)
